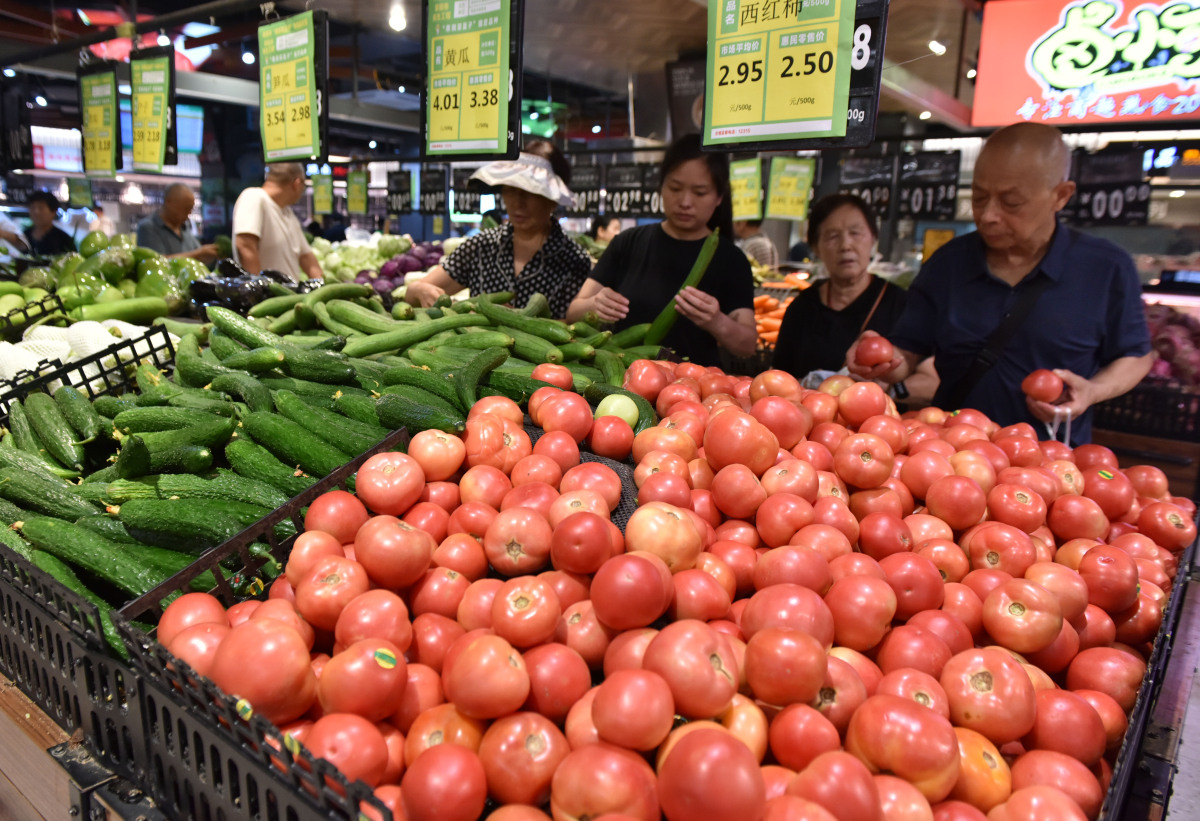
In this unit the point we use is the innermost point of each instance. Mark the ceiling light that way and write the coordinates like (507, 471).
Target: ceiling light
(401, 89)
(40, 100)
(925, 115)
(595, 129)
(533, 115)
(164, 40)
(8, 72)
(372, 144)
(397, 19)
(936, 47)
(1177, 193)
(971, 73)
(124, 88)
(248, 57)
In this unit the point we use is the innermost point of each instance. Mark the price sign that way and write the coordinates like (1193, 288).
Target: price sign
(292, 89)
(871, 178)
(101, 125)
(322, 187)
(399, 193)
(793, 73)
(745, 183)
(789, 188)
(152, 84)
(16, 136)
(356, 192)
(929, 185)
(651, 190)
(79, 192)
(586, 183)
(623, 190)
(1110, 189)
(471, 60)
(433, 190)
(18, 188)
(466, 193)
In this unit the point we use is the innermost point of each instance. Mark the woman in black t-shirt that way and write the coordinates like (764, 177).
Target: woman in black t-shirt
(825, 319)
(644, 268)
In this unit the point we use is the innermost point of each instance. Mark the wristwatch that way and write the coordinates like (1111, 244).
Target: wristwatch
(899, 390)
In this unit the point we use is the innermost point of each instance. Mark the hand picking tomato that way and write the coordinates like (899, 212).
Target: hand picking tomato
(1042, 385)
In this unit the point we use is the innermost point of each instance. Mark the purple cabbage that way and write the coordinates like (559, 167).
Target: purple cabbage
(362, 279)
(383, 286)
(391, 268)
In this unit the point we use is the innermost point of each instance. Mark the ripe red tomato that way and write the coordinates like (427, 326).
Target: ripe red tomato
(1042, 385)
(737, 491)
(520, 754)
(486, 677)
(187, 611)
(646, 379)
(1114, 672)
(537, 496)
(280, 684)
(697, 664)
(1167, 525)
(784, 666)
(440, 590)
(627, 592)
(989, 692)
(376, 614)
(556, 375)
(910, 683)
(445, 783)
(439, 454)
(367, 679)
(788, 421)
(790, 606)
(485, 483)
(633, 709)
(873, 350)
(900, 736)
(799, 733)
(536, 468)
(500, 406)
(472, 518)
(710, 774)
(957, 500)
(351, 743)
(734, 437)
(443, 494)
(197, 645)
(518, 541)
(841, 784)
(863, 460)
(698, 595)
(1054, 769)
(309, 546)
(1022, 616)
(611, 437)
(525, 611)
(598, 779)
(1077, 517)
(666, 532)
(495, 441)
(1017, 506)
(394, 553)
(1067, 723)
(1110, 489)
(984, 779)
(1148, 481)
(594, 476)
(910, 647)
(330, 585)
(338, 513)
(567, 412)
(862, 608)
(882, 534)
(917, 584)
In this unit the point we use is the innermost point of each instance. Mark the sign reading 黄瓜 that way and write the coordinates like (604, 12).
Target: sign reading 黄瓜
(101, 120)
(789, 188)
(1070, 62)
(745, 189)
(293, 81)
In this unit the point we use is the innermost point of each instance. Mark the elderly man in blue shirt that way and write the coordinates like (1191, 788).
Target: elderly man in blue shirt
(1076, 298)
(166, 229)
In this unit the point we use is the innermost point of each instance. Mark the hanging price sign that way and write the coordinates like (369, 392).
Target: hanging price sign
(789, 188)
(18, 188)
(1110, 189)
(433, 190)
(322, 192)
(152, 84)
(101, 125)
(471, 60)
(399, 193)
(466, 193)
(356, 192)
(745, 183)
(652, 205)
(79, 192)
(929, 185)
(623, 190)
(793, 73)
(586, 184)
(292, 89)
(16, 138)
(870, 178)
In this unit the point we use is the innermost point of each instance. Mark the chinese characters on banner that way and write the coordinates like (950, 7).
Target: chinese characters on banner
(789, 188)
(151, 82)
(288, 103)
(101, 126)
(1067, 62)
(356, 192)
(745, 184)
(322, 192)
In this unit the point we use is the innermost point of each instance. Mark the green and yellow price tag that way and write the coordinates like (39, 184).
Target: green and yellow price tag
(101, 123)
(745, 183)
(790, 187)
(150, 85)
(322, 192)
(288, 104)
(356, 192)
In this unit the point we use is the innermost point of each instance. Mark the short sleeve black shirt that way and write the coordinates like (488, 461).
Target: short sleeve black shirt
(647, 266)
(55, 241)
(484, 263)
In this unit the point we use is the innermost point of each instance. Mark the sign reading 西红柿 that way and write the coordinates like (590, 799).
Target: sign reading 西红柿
(292, 84)
(101, 121)
(470, 65)
(322, 192)
(1069, 62)
(745, 185)
(789, 188)
(356, 192)
(152, 87)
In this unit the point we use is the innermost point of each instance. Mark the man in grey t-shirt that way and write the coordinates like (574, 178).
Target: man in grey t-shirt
(164, 230)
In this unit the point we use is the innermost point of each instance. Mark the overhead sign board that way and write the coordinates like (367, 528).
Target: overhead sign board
(356, 192)
(789, 188)
(152, 84)
(294, 87)
(433, 190)
(871, 178)
(1110, 188)
(929, 185)
(322, 192)
(745, 184)
(399, 193)
(587, 181)
(101, 119)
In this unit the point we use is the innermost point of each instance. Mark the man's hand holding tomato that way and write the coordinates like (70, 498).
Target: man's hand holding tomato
(894, 370)
(1078, 395)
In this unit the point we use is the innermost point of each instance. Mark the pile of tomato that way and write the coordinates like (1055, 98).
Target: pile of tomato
(818, 610)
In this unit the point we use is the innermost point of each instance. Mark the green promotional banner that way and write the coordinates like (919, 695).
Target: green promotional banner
(790, 187)
(101, 126)
(778, 71)
(356, 192)
(287, 89)
(745, 183)
(79, 192)
(151, 92)
(322, 187)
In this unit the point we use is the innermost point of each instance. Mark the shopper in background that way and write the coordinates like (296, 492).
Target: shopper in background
(12, 242)
(644, 267)
(166, 229)
(44, 238)
(755, 243)
(604, 229)
(266, 232)
(528, 254)
(334, 227)
(1020, 293)
(102, 223)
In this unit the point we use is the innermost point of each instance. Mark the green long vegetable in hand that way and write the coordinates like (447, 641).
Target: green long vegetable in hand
(665, 321)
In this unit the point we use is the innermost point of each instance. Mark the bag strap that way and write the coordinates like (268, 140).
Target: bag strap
(871, 313)
(989, 355)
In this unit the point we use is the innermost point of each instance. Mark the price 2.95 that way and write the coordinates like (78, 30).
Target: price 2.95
(746, 73)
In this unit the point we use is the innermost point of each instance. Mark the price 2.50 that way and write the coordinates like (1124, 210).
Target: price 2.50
(813, 63)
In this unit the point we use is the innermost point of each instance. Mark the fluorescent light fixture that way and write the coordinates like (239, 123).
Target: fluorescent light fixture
(336, 158)
(1177, 193)
(83, 16)
(164, 40)
(397, 20)
(248, 57)
(937, 48)
(971, 73)
(124, 88)
(925, 115)
(372, 144)
(40, 100)
(595, 129)
(8, 72)
(401, 89)
(533, 115)
(119, 179)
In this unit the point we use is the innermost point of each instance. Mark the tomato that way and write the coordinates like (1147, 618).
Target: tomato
(678, 392)
(1022, 616)
(486, 677)
(197, 645)
(669, 439)
(984, 778)
(963, 602)
(1077, 517)
(898, 735)
(1068, 724)
(1067, 586)
(432, 636)
(882, 534)
(1096, 628)
(793, 564)
(429, 517)
(441, 724)
(826, 540)
(1017, 506)
(915, 581)
(611, 437)
(907, 646)
(599, 779)
(187, 611)
(829, 434)
(1042, 385)
(697, 664)
(558, 677)
(1148, 481)
(1111, 576)
(873, 350)
(741, 559)
(957, 500)
(1167, 525)
(520, 754)
(352, 744)
(439, 454)
(394, 553)
(952, 564)
(861, 401)
(924, 527)
(735, 437)
(581, 543)
(627, 592)
(330, 585)
(537, 496)
(463, 554)
(286, 612)
(737, 491)
(337, 513)
(792, 476)
(646, 379)
(862, 609)
(816, 454)
(446, 782)
(789, 606)
(536, 468)
(910, 683)
(1053, 769)
(376, 614)
(633, 709)
(557, 375)
(784, 666)
(445, 495)
(799, 733)
(367, 679)
(594, 476)
(486, 484)
(666, 532)
(518, 541)
(1110, 489)
(1111, 671)
(241, 611)
(1139, 623)
(867, 670)
(577, 501)
(279, 684)
(863, 460)
(500, 406)
(989, 692)
(698, 596)
(775, 382)
(440, 590)
(525, 611)
(789, 422)
(840, 783)
(710, 774)
(841, 693)
(567, 412)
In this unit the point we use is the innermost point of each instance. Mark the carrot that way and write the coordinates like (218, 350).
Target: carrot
(771, 324)
(771, 336)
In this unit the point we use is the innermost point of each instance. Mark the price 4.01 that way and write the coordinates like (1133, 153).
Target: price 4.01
(445, 102)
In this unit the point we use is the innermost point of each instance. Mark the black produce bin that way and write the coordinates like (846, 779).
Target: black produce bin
(14, 323)
(628, 504)
(1155, 407)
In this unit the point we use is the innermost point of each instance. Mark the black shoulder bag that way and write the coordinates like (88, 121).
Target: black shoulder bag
(987, 358)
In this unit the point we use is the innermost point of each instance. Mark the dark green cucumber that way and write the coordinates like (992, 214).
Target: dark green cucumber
(647, 418)
(92, 552)
(533, 347)
(467, 381)
(480, 340)
(574, 351)
(424, 379)
(15, 543)
(52, 430)
(223, 345)
(254, 393)
(303, 386)
(206, 432)
(293, 444)
(123, 490)
(359, 408)
(214, 403)
(253, 461)
(94, 492)
(583, 330)
(9, 512)
(536, 306)
(284, 324)
(182, 459)
(403, 411)
(326, 425)
(49, 563)
(550, 330)
(78, 412)
(38, 463)
(276, 305)
(363, 320)
(630, 355)
(22, 432)
(110, 406)
(408, 334)
(252, 490)
(242, 329)
(147, 420)
(326, 321)
(515, 386)
(633, 335)
(337, 290)
(610, 365)
(596, 340)
(38, 492)
(326, 367)
(191, 369)
(305, 317)
(104, 525)
(187, 524)
(256, 360)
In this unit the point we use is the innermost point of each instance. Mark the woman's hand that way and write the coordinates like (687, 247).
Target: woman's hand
(610, 306)
(422, 294)
(702, 308)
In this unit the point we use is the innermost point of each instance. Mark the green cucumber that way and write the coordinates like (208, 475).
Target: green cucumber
(358, 408)
(182, 328)
(191, 369)
(407, 411)
(284, 324)
(21, 431)
(242, 329)
(533, 347)
(208, 402)
(536, 306)
(276, 305)
(327, 425)
(515, 386)
(436, 360)
(574, 351)
(255, 360)
(306, 388)
(633, 335)
(183, 524)
(596, 340)
(123, 490)
(550, 330)
(51, 564)
(337, 290)
(254, 393)
(409, 334)
(401, 311)
(424, 379)
(181, 459)
(363, 320)
(480, 340)
(330, 324)
(630, 355)
(104, 525)
(327, 367)
(583, 329)
(294, 444)
(15, 543)
(224, 346)
(304, 316)
(39, 463)
(226, 485)
(206, 433)
(93, 553)
(52, 430)
(138, 311)
(78, 412)
(610, 365)
(152, 419)
(467, 381)
(110, 406)
(253, 461)
(665, 320)
(10, 513)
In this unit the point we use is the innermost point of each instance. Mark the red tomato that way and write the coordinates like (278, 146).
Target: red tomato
(698, 666)
(666, 532)
(633, 709)
(627, 592)
(735, 437)
(393, 552)
(525, 611)
(576, 501)
(775, 382)
(1017, 506)
(376, 614)
(352, 744)
(187, 611)
(946, 556)
(1053, 769)
(899, 736)
(495, 441)
(668, 488)
(1113, 672)
(330, 585)
(984, 779)
(447, 783)
(862, 608)
(475, 609)
(390, 482)
(873, 350)
(537, 496)
(790, 606)
(957, 500)
(485, 483)
(915, 581)
(520, 754)
(472, 518)
(241, 612)
(816, 454)
(1022, 616)
(440, 590)
(567, 412)
(556, 375)
(792, 476)
(698, 595)
(486, 678)
(538, 398)
(598, 779)
(863, 460)
(500, 406)
(594, 476)
(338, 513)
(646, 379)
(443, 494)
(789, 422)
(1077, 517)
(518, 541)
(432, 636)
(882, 534)
(799, 733)
(367, 679)
(1167, 525)
(441, 724)
(1110, 489)
(1112, 717)
(1148, 481)
(1067, 723)
(990, 693)
(439, 454)
(285, 611)
(997, 546)
(840, 783)
(558, 677)
(737, 491)
(910, 683)
(197, 645)
(1042, 385)
(611, 437)
(536, 468)
(907, 646)
(1111, 576)
(670, 439)
(280, 684)
(581, 543)
(710, 774)
(784, 666)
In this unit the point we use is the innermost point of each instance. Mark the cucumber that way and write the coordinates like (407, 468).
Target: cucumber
(305, 388)
(226, 485)
(583, 329)
(548, 329)
(110, 406)
(358, 408)
(51, 564)
(327, 425)
(284, 324)
(337, 290)
(10, 513)
(153, 419)
(610, 365)
(78, 412)
(138, 311)
(596, 340)
(94, 492)
(327, 322)
(304, 316)
(147, 377)
(536, 306)
(401, 311)
(208, 404)
(190, 525)
(409, 334)
(630, 355)
(169, 562)
(53, 431)
(633, 335)
(467, 381)
(293, 444)
(21, 431)
(181, 459)
(205, 432)
(533, 347)
(253, 461)
(15, 543)
(191, 369)
(437, 360)
(224, 346)
(404, 411)
(363, 320)
(574, 351)
(647, 418)
(424, 379)
(123, 490)
(256, 360)
(480, 340)
(106, 526)
(242, 329)
(515, 386)
(182, 328)
(39, 463)
(254, 393)
(92, 552)
(326, 367)
(276, 305)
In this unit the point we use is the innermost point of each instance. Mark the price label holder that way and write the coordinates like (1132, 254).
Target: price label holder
(356, 192)
(433, 190)
(929, 185)
(623, 193)
(466, 192)
(322, 193)
(871, 178)
(293, 87)
(18, 188)
(652, 205)
(101, 120)
(799, 74)
(16, 132)
(399, 193)
(587, 181)
(745, 183)
(1110, 188)
(152, 86)
(789, 188)
(79, 192)
(473, 68)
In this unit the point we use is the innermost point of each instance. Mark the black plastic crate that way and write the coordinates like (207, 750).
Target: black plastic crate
(14, 323)
(1154, 407)
(629, 491)
(52, 647)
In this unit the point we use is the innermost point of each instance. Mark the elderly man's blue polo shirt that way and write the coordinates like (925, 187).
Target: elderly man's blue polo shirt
(1089, 315)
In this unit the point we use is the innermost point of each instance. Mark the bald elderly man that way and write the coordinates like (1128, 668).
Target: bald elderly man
(1023, 292)
(166, 229)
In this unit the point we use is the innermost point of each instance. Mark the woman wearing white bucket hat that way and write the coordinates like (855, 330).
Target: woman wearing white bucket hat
(528, 254)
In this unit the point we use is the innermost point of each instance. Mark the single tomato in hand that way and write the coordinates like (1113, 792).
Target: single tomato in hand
(1042, 385)
(873, 350)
